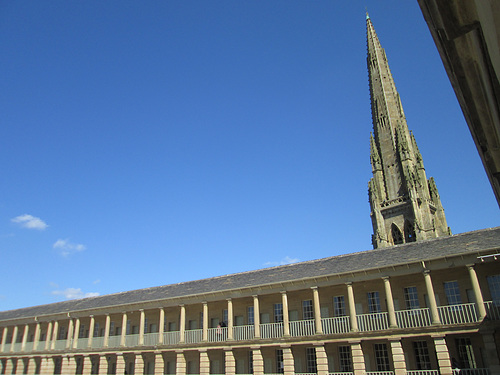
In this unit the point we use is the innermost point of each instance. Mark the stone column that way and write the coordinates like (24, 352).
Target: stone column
(321, 360)
(36, 339)
(230, 362)
(205, 322)
(286, 319)
(352, 308)
(4, 339)
(398, 357)
(161, 325)
(230, 319)
(25, 337)
(9, 366)
(138, 364)
(443, 356)
(180, 363)
(432, 298)
(49, 333)
(54, 335)
(14, 338)
(390, 303)
(159, 363)
(182, 327)
(258, 361)
(69, 339)
(204, 362)
(120, 364)
(123, 335)
(477, 291)
(317, 310)
(103, 365)
(491, 352)
(142, 319)
(68, 365)
(31, 366)
(46, 366)
(358, 360)
(288, 362)
(91, 331)
(107, 325)
(256, 316)
(76, 335)
(87, 365)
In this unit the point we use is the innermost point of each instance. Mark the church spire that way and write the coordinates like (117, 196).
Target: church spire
(405, 206)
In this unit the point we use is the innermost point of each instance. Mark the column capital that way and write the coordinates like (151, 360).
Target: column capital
(314, 287)
(348, 283)
(255, 295)
(283, 291)
(385, 278)
(182, 305)
(229, 299)
(204, 302)
(426, 271)
(141, 310)
(470, 265)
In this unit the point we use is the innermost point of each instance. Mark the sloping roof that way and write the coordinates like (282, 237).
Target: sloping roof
(469, 242)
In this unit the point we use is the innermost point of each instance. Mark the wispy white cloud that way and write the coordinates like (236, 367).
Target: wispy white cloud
(66, 248)
(282, 262)
(30, 222)
(74, 293)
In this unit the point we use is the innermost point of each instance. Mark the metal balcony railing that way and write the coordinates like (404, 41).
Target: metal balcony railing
(243, 332)
(114, 341)
(413, 318)
(271, 330)
(193, 336)
(340, 324)
(217, 334)
(492, 310)
(458, 314)
(302, 328)
(422, 372)
(171, 338)
(373, 322)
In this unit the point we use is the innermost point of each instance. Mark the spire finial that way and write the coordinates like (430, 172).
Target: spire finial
(367, 15)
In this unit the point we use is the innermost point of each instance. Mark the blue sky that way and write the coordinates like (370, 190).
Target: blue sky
(152, 142)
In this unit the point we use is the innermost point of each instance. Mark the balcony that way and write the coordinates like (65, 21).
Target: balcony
(449, 315)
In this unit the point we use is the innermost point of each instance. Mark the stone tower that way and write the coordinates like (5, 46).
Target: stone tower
(405, 205)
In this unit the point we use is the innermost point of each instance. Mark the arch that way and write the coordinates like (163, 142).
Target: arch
(410, 232)
(397, 236)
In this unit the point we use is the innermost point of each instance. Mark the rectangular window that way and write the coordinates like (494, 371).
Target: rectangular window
(311, 366)
(145, 325)
(280, 368)
(381, 357)
(494, 285)
(278, 313)
(411, 298)
(338, 306)
(307, 309)
(96, 329)
(62, 333)
(422, 357)
(81, 333)
(373, 302)
(250, 315)
(129, 327)
(345, 359)
(111, 328)
(452, 292)
(465, 353)
(225, 318)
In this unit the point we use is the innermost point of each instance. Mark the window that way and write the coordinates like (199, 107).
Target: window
(307, 310)
(62, 333)
(381, 357)
(96, 329)
(338, 306)
(250, 315)
(280, 368)
(311, 360)
(373, 302)
(145, 325)
(494, 285)
(225, 318)
(278, 312)
(422, 358)
(411, 298)
(81, 333)
(345, 359)
(397, 237)
(465, 353)
(452, 293)
(111, 328)
(409, 232)
(129, 326)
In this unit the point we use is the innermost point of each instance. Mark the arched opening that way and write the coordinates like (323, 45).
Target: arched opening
(397, 236)
(409, 232)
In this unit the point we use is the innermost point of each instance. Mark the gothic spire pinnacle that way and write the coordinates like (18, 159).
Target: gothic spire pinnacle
(404, 205)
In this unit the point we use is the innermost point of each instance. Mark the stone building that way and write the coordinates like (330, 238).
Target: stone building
(427, 306)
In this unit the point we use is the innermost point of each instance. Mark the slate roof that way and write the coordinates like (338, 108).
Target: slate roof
(469, 242)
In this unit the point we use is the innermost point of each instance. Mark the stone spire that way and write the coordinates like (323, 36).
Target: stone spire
(405, 206)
